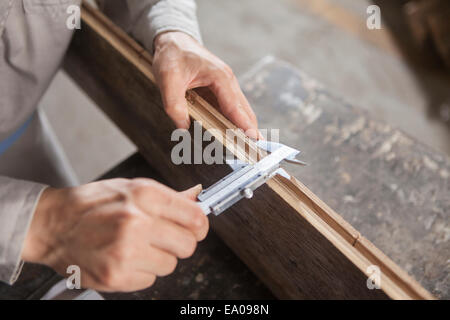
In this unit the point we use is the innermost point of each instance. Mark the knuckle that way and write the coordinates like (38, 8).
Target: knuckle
(125, 216)
(108, 276)
(121, 255)
(188, 248)
(126, 223)
(169, 265)
(164, 72)
(175, 109)
(227, 72)
(118, 254)
(199, 220)
(118, 181)
(167, 199)
(151, 281)
(228, 109)
(141, 189)
(145, 191)
(140, 182)
(204, 231)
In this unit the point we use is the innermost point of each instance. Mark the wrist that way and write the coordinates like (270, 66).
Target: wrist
(38, 241)
(171, 37)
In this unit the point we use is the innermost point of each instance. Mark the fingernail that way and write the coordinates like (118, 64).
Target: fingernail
(252, 133)
(261, 137)
(197, 189)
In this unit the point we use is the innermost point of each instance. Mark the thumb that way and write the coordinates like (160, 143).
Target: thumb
(193, 192)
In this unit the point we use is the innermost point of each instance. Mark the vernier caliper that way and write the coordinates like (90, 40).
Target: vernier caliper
(246, 178)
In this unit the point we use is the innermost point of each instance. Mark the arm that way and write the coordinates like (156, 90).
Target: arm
(169, 28)
(146, 19)
(121, 233)
(18, 200)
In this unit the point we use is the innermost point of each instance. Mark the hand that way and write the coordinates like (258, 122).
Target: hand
(181, 63)
(121, 233)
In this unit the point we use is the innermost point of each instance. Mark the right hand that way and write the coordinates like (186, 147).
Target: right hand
(121, 233)
(181, 63)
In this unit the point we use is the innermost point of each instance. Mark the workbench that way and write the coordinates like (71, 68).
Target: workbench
(391, 188)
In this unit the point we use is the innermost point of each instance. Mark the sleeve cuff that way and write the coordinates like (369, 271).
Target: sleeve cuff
(18, 201)
(167, 16)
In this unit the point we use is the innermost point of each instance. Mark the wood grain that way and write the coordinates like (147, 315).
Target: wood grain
(429, 20)
(289, 238)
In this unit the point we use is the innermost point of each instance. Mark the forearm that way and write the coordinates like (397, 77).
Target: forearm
(18, 200)
(145, 19)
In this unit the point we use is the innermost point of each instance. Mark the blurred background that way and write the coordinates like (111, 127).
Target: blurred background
(398, 73)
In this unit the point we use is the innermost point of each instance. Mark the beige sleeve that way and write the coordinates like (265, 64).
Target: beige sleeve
(18, 200)
(145, 19)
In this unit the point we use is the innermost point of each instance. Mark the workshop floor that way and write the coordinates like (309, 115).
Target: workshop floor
(327, 39)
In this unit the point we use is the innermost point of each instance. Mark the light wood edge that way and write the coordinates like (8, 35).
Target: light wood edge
(395, 282)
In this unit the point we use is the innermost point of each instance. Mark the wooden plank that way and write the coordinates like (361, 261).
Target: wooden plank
(392, 188)
(429, 20)
(289, 238)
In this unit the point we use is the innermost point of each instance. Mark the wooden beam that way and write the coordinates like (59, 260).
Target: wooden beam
(429, 20)
(289, 238)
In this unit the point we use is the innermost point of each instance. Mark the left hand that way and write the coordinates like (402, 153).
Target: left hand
(121, 233)
(181, 63)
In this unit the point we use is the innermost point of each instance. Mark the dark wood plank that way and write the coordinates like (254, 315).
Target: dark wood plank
(430, 24)
(392, 188)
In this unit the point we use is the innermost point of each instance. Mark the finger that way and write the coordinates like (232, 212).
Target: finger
(192, 193)
(136, 253)
(172, 238)
(156, 261)
(137, 282)
(230, 102)
(253, 133)
(131, 282)
(246, 105)
(166, 203)
(173, 91)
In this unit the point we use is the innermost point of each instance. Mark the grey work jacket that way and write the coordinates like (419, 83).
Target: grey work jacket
(33, 39)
